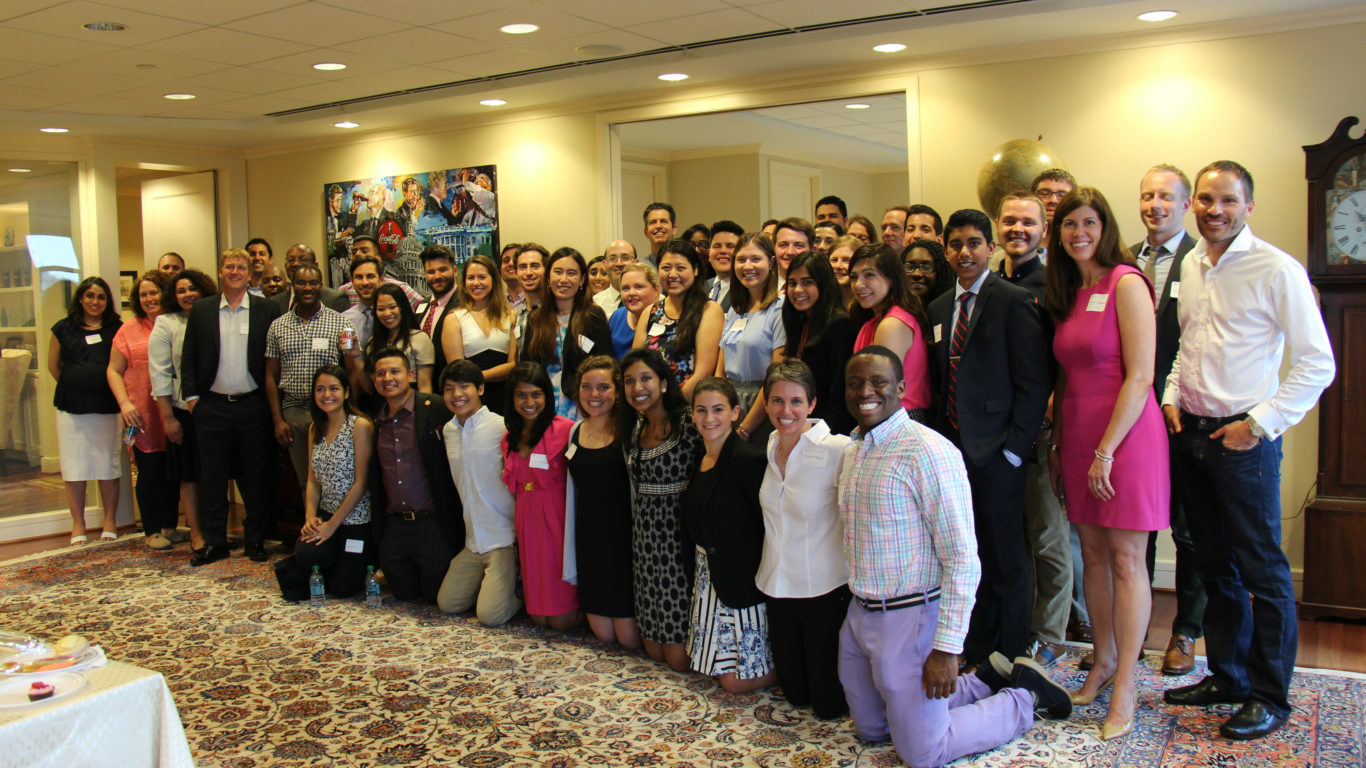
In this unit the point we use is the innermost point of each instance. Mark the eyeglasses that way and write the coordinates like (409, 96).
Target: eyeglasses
(620, 258)
(922, 268)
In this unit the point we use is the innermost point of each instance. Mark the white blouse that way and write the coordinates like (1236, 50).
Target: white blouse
(473, 336)
(803, 537)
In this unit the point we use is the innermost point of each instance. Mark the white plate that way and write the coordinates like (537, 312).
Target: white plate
(14, 693)
(90, 658)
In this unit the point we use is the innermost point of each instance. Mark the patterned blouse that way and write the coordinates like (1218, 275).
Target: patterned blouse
(660, 335)
(334, 462)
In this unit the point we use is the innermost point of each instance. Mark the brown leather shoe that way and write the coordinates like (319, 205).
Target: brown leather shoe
(1180, 658)
(1080, 632)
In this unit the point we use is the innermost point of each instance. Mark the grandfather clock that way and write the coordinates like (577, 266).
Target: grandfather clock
(1335, 524)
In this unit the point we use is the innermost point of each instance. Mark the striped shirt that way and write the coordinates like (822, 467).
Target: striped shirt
(907, 514)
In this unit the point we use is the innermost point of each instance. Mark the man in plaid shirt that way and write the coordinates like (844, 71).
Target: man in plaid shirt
(913, 570)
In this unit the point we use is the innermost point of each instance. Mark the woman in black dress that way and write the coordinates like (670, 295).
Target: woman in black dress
(602, 495)
(819, 334)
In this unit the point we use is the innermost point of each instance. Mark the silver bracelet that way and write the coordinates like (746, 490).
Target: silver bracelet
(1104, 458)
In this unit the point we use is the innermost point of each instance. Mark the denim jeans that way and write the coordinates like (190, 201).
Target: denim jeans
(1233, 507)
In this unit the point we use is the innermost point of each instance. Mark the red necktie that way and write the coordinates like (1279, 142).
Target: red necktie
(960, 335)
(430, 318)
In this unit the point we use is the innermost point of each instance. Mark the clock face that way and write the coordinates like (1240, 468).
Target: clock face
(1346, 214)
(1347, 227)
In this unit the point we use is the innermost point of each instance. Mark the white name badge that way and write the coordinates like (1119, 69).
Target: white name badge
(355, 546)
(814, 458)
(1176, 289)
(656, 329)
(570, 451)
(244, 328)
(1097, 302)
(585, 343)
(320, 345)
(938, 333)
(739, 324)
(539, 461)
(93, 338)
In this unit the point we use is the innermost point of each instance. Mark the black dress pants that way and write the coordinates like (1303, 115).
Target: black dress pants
(1000, 617)
(237, 430)
(804, 636)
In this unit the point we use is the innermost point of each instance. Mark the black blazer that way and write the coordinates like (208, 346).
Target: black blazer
(730, 527)
(1168, 324)
(1003, 374)
(826, 359)
(199, 357)
(429, 416)
(572, 353)
(331, 298)
(439, 363)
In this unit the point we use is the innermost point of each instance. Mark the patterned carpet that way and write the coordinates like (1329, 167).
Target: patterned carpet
(261, 682)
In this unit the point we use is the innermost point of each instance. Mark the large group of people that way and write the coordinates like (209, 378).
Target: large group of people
(857, 469)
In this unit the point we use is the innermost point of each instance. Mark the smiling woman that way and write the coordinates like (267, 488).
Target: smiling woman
(889, 315)
(565, 328)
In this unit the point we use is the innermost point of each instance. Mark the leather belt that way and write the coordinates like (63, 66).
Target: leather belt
(237, 397)
(893, 603)
(1210, 422)
(410, 514)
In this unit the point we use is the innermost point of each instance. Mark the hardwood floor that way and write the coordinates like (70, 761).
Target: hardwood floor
(1324, 644)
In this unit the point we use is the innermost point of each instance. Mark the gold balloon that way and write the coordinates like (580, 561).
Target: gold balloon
(1010, 168)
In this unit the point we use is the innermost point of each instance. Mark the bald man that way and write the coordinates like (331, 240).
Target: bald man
(298, 255)
(618, 254)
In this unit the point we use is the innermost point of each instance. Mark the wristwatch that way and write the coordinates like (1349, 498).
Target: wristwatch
(1256, 428)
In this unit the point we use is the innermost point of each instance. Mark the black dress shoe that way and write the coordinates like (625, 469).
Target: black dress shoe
(1202, 694)
(1253, 721)
(211, 553)
(256, 553)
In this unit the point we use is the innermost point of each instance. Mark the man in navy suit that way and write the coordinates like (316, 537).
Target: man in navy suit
(1164, 196)
(992, 358)
(224, 361)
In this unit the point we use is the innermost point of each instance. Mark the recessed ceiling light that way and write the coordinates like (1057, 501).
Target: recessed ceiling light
(329, 66)
(673, 77)
(179, 96)
(1156, 15)
(858, 106)
(55, 130)
(105, 26)
(493, 102)
(346, 124)
(21, 170)
(889, 48)
(518, 29)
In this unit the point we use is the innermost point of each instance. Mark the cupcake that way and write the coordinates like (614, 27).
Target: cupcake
(41, 690)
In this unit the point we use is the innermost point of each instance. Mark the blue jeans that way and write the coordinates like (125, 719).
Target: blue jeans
(1233, 507)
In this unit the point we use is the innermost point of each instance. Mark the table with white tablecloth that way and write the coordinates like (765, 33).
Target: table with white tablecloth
(123, 716)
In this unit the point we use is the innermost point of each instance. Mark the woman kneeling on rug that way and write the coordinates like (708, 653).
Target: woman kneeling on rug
(336, 533)
(729, 637)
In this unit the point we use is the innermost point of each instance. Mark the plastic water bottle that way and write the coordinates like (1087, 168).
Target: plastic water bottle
(372, 599)
(315, 589)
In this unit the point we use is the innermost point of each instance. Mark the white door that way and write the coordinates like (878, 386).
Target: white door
(641, 184)
(179, 213)
(791, 190)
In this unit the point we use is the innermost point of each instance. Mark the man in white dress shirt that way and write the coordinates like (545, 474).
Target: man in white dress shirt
(486, 568)
(1242, 303)
(618, 254)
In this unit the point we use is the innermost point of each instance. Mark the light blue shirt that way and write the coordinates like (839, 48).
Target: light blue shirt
(748, 341)
(233, 377)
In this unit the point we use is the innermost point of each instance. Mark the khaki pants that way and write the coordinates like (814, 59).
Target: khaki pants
(491, 577)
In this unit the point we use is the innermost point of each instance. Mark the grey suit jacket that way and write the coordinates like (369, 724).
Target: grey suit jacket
(1168, 324)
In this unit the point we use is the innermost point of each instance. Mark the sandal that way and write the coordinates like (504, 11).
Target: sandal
(78, 540)
(109, 536)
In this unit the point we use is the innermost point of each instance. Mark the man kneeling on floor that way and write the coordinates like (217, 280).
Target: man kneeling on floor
(487, 566)
(908, 536)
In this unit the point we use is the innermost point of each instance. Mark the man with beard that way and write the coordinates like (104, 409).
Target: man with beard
(365, 246)
(439, 265)
(298, 343)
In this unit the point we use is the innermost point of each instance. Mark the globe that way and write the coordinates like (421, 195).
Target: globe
(1010, 168)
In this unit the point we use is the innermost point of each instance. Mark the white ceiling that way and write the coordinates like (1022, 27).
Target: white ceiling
(248, 59)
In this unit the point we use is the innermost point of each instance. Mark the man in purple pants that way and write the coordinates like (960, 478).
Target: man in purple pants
(913, 569)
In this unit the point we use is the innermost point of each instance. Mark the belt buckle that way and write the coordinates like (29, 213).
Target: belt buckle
(408, 515)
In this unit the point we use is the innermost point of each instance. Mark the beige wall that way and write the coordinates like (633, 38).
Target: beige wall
(1111, 115)
(708, 189)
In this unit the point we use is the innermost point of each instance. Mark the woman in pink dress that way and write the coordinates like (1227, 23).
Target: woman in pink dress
(130, 379)
(1112, 446)
(888, 314)
(536, 470)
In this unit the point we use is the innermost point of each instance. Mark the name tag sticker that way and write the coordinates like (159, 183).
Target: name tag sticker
(539, 461)
(585, 343)
(1097, 302)
(570, 451)
(319, 345)
(814, 458)
(93, 338)
(938, 333)
(244, 328)
(739, 324)
(656, 329)
(355, 546)
(1176, 289)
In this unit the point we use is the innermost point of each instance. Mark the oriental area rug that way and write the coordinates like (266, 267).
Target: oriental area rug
(261, 682)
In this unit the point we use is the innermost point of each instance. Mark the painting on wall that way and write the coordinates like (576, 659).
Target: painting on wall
(406, 212)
